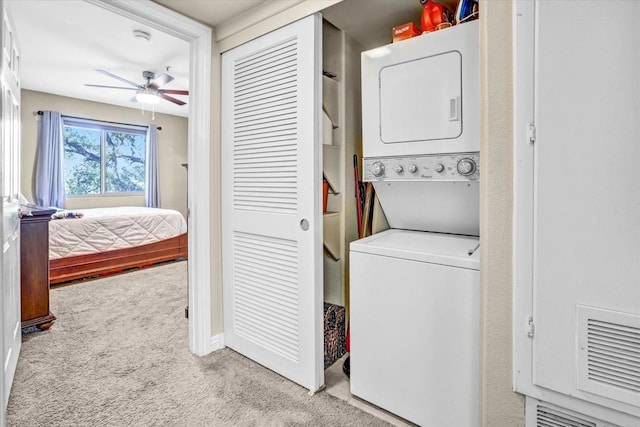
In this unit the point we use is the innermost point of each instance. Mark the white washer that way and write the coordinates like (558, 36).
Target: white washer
(414, 325)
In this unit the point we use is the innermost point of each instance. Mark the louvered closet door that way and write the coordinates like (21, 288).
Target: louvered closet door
(272, 235)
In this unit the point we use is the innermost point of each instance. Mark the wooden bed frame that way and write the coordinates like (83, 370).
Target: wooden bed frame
(109, 262)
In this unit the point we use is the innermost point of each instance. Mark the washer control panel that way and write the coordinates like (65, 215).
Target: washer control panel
(436, 167)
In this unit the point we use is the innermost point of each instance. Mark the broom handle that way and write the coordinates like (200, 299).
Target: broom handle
(358, 196)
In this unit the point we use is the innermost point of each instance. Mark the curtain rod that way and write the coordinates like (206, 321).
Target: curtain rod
(40, 112)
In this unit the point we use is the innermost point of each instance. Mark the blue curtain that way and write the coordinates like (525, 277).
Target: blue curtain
(151, 190)
(49, 186)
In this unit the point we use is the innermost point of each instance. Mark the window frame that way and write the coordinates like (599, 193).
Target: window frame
(103, 127)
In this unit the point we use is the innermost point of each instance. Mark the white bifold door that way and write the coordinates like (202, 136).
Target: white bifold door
(271, 216)
(9, 186)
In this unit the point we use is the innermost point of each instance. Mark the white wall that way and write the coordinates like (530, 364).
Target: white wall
(270, 16)
(217, 326)
(172, 147)
(500, 405)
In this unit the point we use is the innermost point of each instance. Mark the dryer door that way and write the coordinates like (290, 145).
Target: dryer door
(435, 116)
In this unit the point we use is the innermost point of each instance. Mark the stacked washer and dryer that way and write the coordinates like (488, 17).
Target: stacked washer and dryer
(414, 289)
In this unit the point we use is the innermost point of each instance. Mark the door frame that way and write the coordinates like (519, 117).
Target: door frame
(523, 192)
(3, 412)
(199, 154)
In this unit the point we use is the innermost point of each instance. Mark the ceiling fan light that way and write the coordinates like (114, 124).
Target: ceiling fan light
(147, 97)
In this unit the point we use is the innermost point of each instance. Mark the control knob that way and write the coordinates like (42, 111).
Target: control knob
(466, 166)
(439, 167)
(413, 168)
(377, 169)
(398, 169)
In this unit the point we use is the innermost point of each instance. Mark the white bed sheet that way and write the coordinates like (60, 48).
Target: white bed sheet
(103, 229)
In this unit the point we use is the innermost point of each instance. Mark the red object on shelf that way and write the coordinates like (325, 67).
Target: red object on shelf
(435, 16)
(347, 340)
(356, 178)
(405, 31)
(325, 195)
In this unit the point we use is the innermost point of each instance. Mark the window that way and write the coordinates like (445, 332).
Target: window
(103, 158)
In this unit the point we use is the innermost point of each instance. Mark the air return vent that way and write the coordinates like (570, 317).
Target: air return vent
(546, 414)
(549, 417)
(609, 353)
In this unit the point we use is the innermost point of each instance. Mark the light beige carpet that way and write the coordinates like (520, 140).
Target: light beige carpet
(117, 356)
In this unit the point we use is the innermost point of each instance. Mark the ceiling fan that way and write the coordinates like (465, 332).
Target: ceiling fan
(149, 92)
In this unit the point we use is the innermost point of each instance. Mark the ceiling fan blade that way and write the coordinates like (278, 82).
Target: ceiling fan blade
(160, 80)
(111, 87)
(174, 91)
(171, 99)
(106, 73)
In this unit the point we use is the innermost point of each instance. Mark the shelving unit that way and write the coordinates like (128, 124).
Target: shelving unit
(341, 60)
(332, 154)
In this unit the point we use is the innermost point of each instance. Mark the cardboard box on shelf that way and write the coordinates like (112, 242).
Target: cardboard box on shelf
(405, 31)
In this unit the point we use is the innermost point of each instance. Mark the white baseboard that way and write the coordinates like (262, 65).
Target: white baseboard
(217, 342)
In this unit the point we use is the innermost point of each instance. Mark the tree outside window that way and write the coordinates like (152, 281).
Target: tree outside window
(102, 158)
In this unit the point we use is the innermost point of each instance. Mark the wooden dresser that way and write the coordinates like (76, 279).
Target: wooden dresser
(34, 266)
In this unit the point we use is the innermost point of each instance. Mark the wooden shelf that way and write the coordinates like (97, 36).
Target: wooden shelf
(331, 234)
(331, 99)
(332, 167)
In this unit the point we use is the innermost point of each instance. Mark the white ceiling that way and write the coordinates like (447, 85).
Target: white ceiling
(368, 21)
(210, 12)
(65, 41)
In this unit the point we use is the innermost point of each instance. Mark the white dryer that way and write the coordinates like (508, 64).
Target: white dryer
(414, 325)
(422, 95)
(421, 130)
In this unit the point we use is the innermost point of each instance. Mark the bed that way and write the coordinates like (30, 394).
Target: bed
(109, 240)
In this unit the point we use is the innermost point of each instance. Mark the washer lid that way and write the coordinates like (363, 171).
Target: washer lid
(435, 248)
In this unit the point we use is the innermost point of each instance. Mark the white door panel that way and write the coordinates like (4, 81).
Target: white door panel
(587, 203)
(272, 226)
(9, 186)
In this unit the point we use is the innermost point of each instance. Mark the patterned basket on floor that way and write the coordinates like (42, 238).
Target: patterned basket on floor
(334, 333)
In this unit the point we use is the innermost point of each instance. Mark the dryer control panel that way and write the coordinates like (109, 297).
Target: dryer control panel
(440, 167)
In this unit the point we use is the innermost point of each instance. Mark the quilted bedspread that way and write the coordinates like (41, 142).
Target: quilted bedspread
(104, 229)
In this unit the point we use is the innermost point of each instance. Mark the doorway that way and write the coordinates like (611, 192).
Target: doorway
(198, 38)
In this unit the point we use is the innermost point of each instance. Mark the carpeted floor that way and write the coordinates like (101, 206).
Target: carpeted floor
(117, 356)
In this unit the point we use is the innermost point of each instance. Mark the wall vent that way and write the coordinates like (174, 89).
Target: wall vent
(545, 414)
(609, 354)
(549, 417)
(613, 354)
